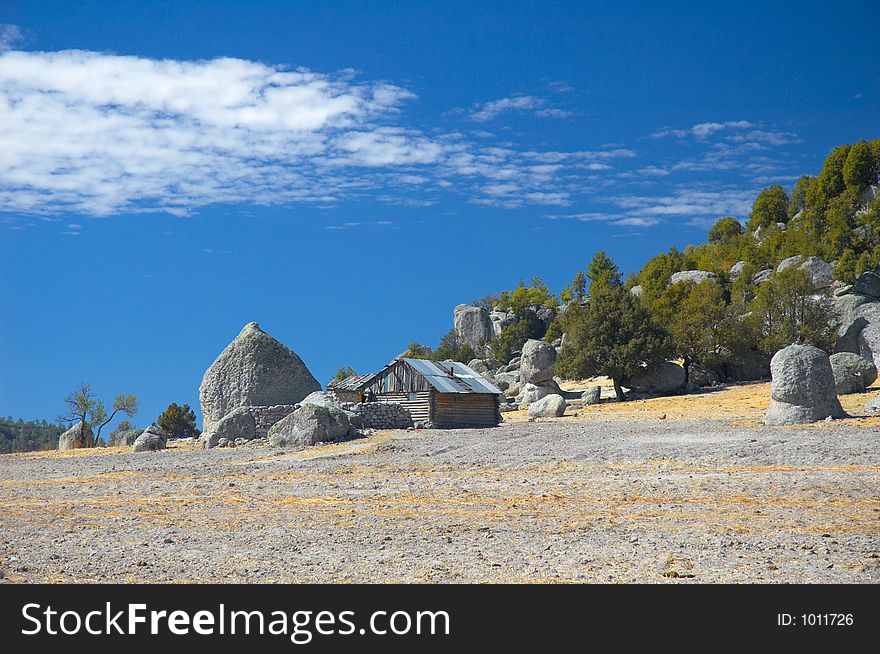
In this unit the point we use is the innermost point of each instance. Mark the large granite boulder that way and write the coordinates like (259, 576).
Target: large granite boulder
(868, 283)
(551, 406)
(310, 424)
(238, 423)
(501, 319)
(668, 377)
(126, 437)
(533, 392)
(702, 375)
(859, 330)
(511, 380)
(821, 272)
(253, 370)
(695, 276)
(852, 373)
(538, 362)
(151, 439)
(472, 325)
(593, 395)
(737, 269)
(73, 438)
(802, 388)
(762, 276)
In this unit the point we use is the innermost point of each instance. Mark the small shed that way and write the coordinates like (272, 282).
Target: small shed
(350, 389)
(444, 393)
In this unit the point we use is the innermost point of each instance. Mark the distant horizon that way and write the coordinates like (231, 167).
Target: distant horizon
(346, 176)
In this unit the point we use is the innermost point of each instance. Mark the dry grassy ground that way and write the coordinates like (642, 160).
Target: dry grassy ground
(673, 490)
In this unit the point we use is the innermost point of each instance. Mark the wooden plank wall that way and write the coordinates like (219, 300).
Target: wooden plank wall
(465, 408)
(419, 408)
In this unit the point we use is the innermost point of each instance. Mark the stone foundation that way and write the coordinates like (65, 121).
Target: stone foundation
(382, 415)
(266, 416)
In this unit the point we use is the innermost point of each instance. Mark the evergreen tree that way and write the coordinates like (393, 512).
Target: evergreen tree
(178, 421)
(770, 207)
(613, 335)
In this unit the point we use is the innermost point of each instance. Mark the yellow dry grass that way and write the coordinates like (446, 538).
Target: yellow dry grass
(740, 404)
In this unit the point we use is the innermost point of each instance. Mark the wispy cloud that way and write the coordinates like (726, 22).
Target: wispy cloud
(483, 113)
(702, 130)
(356, 224)
(10, 36)
(100, 134)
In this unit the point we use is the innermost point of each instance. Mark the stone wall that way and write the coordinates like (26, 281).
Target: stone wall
(266, 416)
(382, 415)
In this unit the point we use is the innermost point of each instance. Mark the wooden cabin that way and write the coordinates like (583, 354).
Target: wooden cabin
(444, 393)
(350, 389)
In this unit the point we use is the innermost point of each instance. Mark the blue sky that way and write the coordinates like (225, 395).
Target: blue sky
(346, 173)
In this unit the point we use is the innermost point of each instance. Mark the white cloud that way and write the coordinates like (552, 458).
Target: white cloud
(100, 134)
(540, 107)
(702, 130)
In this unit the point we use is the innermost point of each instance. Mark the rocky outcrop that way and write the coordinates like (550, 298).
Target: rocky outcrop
(150, 440)
(73, 438)
(762, 276)
(538, 362)
(859, 330)
(852, 373)
(820, 271)
(737, 269)
(802, 388)
(551, 406)
(867, 284)
(310, 424)
(253, 370)
(667, 377)
(533, 392)
(592, 395)
(472, 325)
(126, 437)
(637, 290)
(702, 375)
(237, 424)
(695, 276)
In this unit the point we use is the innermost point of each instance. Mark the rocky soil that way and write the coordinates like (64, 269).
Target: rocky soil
(612, 496)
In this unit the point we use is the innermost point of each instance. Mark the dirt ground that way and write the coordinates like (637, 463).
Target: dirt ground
(688, 489)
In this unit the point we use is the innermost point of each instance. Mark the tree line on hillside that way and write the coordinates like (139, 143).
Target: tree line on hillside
(620, 328)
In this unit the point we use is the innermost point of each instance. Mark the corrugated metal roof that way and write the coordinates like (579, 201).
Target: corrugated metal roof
(451, 376)
(353, 383)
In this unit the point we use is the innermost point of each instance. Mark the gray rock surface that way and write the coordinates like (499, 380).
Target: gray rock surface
(592, 395)
(472, 324)
(802, 388)
(310, 424)
(873, 405)
(668, 377)
(868, 283)
(695, 276)
(789, 262)
(126, 437)
(852, 372)
(150, 440)
(551, 406)
(736, 269)
(538, 362)
(762, 276)
(534, 392)
(237, 424)
(72, 440)
(821, 272)
(701, 375)
(637, 290)
(253, 370)
(859, 330)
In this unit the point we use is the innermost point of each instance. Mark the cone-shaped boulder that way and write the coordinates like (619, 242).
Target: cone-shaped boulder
(253, 370)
